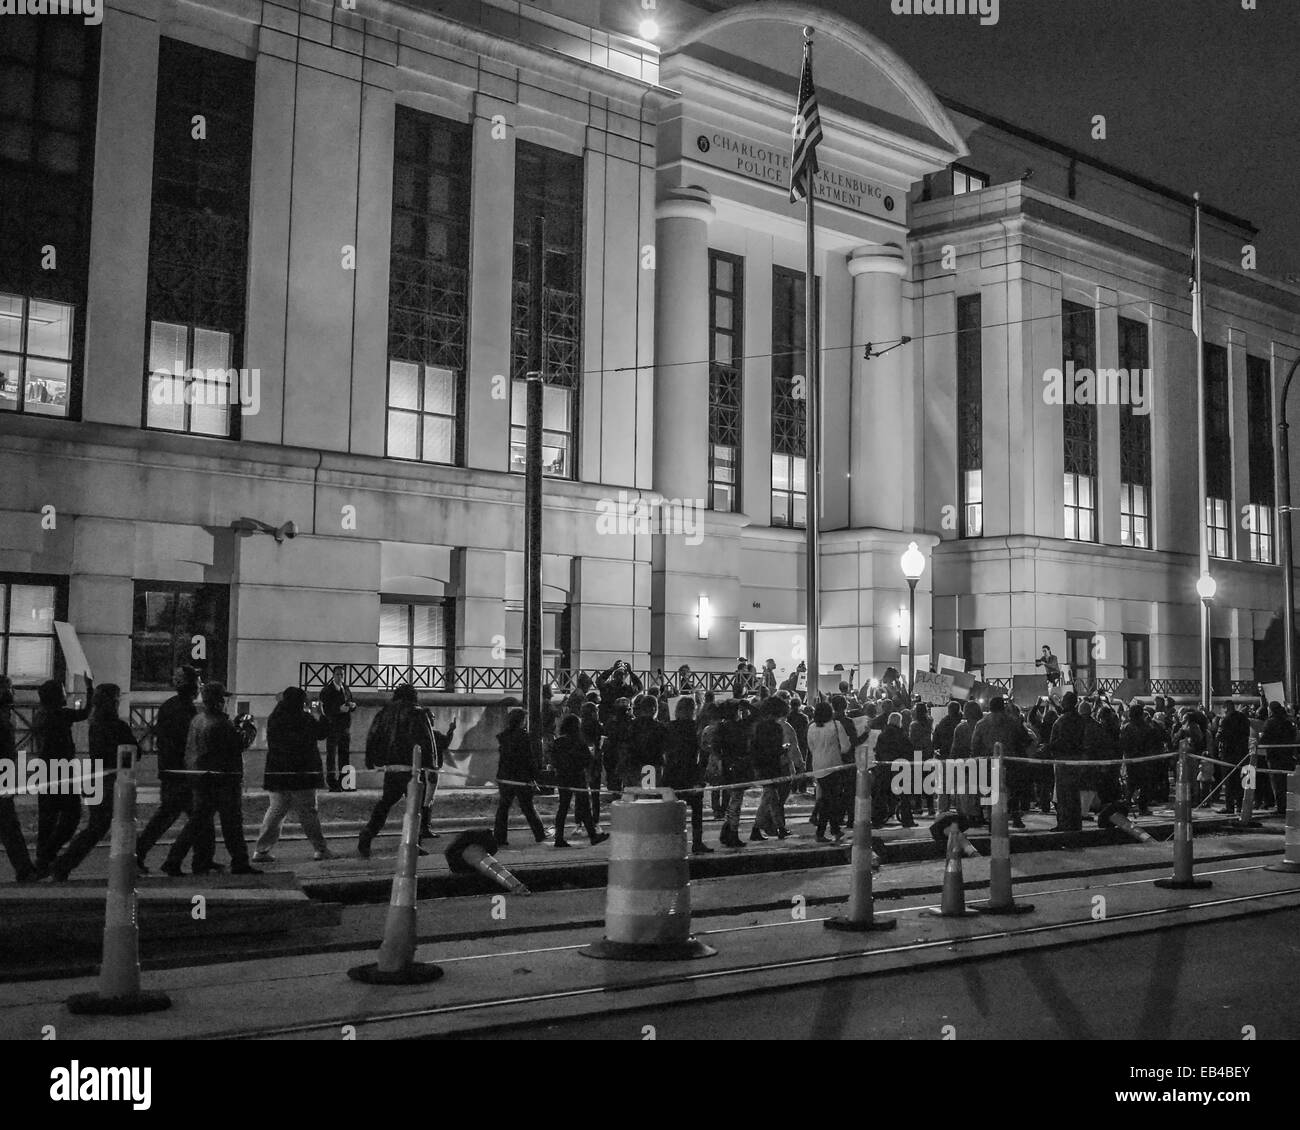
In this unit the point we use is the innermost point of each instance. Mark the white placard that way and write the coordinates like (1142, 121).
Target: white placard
(74, 658)
(934, 690)
(950, 663)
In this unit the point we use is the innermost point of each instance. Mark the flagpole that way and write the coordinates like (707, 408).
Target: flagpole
(1202, 481)
(812, 430)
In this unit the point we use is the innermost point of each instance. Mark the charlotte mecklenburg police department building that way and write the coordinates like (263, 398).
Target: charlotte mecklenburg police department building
(335, 204)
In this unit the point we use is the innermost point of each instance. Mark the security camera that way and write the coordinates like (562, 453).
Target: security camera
(288, 530)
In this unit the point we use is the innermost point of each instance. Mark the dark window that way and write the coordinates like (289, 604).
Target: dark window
(29, 605)
(555, 636)
(1079, 345)
(972, 650)
(428, 289)
(789, 401)
(970, 415)
(49, 75)
(1259, 439)
(726, 378)
(418, 633)
(1135, 438)
(1080, 658)
(1220, 665)
(1218, 448)
(198, 239)
(174, 624)
(548, 184)
(1137, 657)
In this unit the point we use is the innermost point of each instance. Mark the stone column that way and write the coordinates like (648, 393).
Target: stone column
(681, 412)
(879, 448)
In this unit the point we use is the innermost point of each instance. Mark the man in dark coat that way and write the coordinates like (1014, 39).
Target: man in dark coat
(999, 727)
(1279, 730)
(171, 728)
(57, 813)
(1233, 747)
(398, 729)
(645, 746)
(1067, 744)
(1138, 739)
(337, 705)
(11, 833)
(214, 758)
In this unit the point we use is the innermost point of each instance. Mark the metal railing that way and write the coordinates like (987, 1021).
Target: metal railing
(141, 721)
(449, 679)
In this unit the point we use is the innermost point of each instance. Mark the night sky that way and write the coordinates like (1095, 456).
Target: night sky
(1198, 94)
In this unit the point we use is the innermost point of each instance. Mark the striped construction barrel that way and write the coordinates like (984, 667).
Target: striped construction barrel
(648, 897)
(1291, 856)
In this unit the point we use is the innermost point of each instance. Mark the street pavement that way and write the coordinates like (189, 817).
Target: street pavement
(535, 975)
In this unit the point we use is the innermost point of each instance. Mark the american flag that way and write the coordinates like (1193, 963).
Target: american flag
(807, 132)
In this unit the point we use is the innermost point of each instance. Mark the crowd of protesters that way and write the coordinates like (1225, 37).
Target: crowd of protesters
(612, 732)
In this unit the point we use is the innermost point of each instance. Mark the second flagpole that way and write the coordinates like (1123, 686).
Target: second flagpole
(812, 429)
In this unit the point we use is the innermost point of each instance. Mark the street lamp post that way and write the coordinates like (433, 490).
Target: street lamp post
(1284, 512)
(913, 563)
(1206, 587)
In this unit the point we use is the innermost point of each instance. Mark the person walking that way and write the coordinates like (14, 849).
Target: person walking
(214, 756)
(11, 832)
(171, 728)
(57, 814)
(828, 745)
(397, 731)
(337, 705)
(571, 757)
(684, 765)
(293, 773)
(107, 733)
(515, 765)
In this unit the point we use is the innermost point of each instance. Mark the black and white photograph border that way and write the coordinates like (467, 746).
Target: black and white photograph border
(459, 580)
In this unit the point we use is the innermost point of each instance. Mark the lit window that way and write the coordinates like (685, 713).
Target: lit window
(27, 614)
(1134, 522)
(1216, 519)
(789, 491)
(967, 180)
(35, 355)
(1080, 511)
(417, 638)
(421, 412)
(191, 387)
(1259, 526)
(972, 504)
(556, 422)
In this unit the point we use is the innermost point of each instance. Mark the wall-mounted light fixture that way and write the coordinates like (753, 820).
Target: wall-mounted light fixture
(704, 615)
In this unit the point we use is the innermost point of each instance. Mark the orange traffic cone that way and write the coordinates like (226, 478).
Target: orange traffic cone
(119, 972)
(953, 903)
(396, 964)
(474, 852)
(1116, 816)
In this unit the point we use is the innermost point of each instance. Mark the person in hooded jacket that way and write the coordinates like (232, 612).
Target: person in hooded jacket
(57, 814)
(398, 730)
(684, 764)
(171, 728)
(107, 732)
(293, 773)
(515, 763)
(571, 757)
(11, 832)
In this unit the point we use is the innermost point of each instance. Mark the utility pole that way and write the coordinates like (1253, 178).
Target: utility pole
(533, 491)
(1284, 532)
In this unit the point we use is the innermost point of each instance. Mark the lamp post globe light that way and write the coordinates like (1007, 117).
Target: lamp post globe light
(1206, 587)
(913, 564)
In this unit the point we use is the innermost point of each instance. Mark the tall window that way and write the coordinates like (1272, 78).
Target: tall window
(972, 650)
(548, 184)
(726, 378)
(966, 180)
(418, 634)
(1135, 439)
(1079, 345)
(1137, 657)
(176, 623)
(29, 605)
(789, 404)
(555, 635)
(970, 416)
(198, 239)
(1079, 655)
(1218, 450)
(1259, 441)
(428, 288)
(49, 72)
